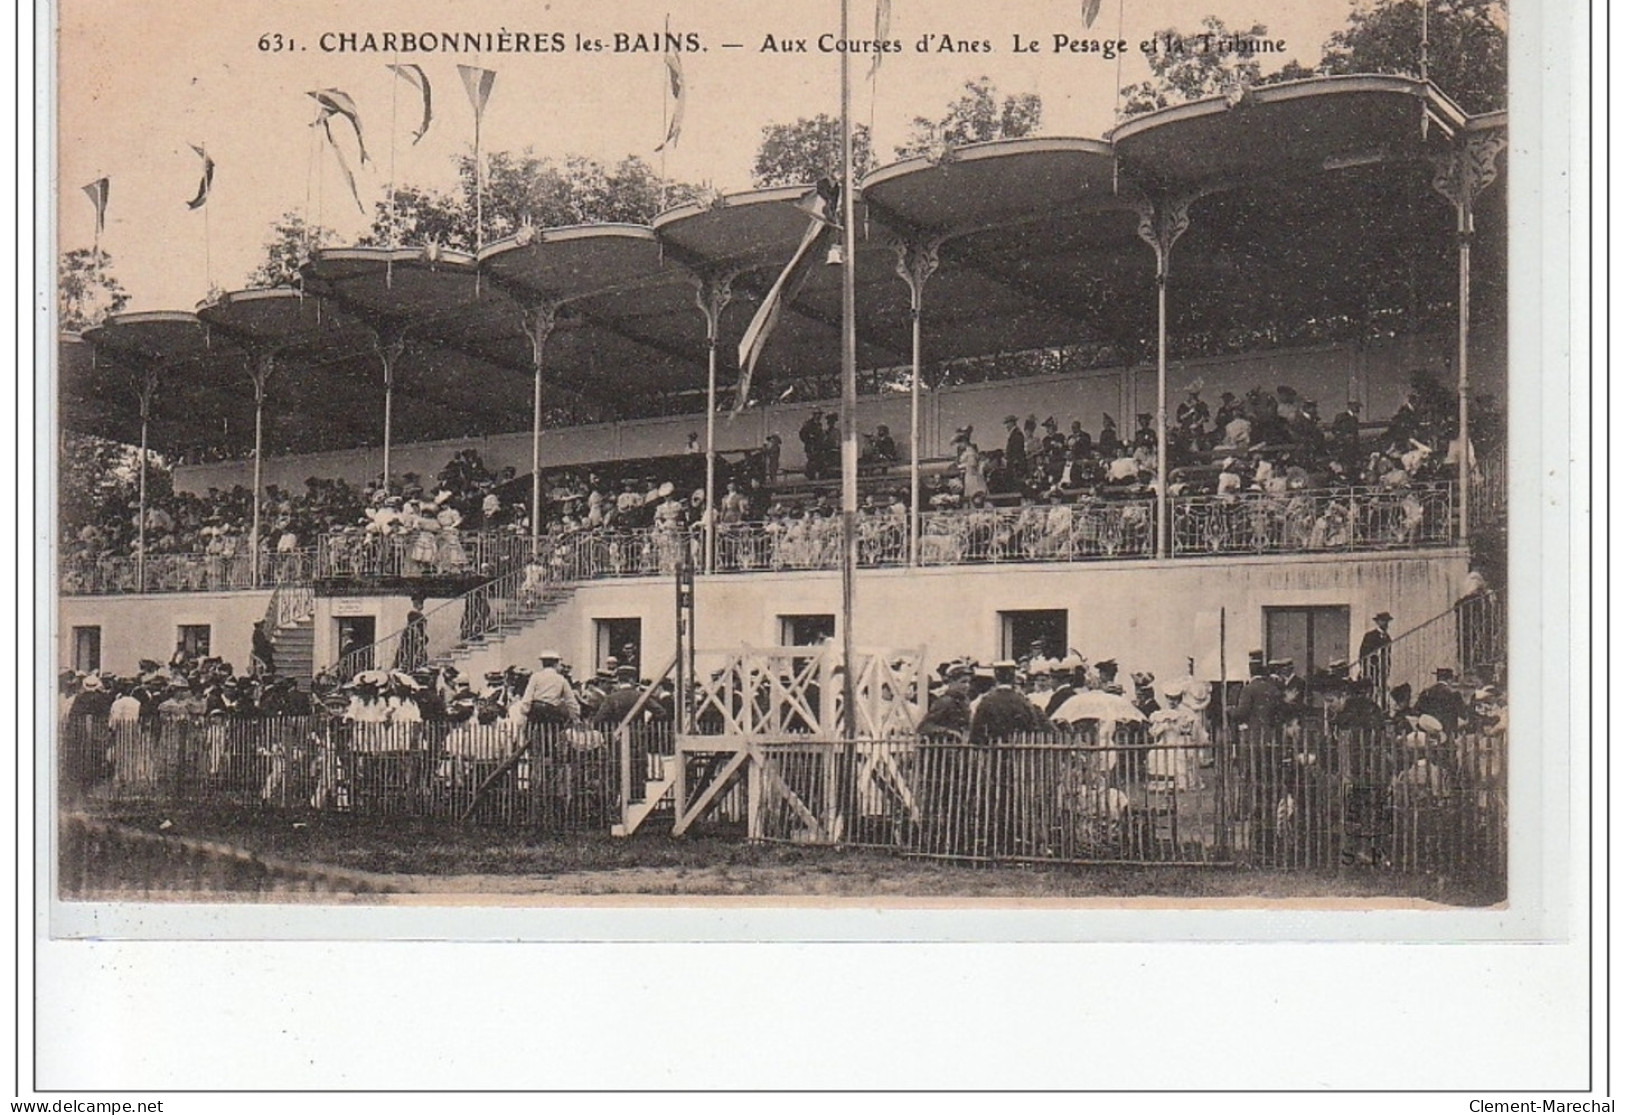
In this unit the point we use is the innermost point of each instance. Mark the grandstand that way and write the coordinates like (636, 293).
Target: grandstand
(1315, 243)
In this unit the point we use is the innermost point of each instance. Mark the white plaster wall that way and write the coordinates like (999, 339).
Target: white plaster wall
(1147, 616)
(137, 627)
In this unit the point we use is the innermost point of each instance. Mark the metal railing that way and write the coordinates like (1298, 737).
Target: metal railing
(166, 573)
(1487, 503)
(1322, 521)
(1301, 798)
(501, 603)
(566, 780)
(1470, 638)
(1354, 519)
(1309, 799)
(290, 603)
(359, 555)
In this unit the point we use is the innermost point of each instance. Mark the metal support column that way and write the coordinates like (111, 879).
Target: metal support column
(1459, 177)
(711, 295)
(539, 322)
(388, 343)
(261, 365)
(1162, 223)
(916, 262)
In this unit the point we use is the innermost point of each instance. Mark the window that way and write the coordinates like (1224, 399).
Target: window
(194, 639)
(621, 639)
(1310, 637)
(1019, 631)
(87, 649)
(805, 631)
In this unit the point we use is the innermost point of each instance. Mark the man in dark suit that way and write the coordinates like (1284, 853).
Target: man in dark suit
(1258, 709)
(1015, 447)
(619, 701)
(1004, 711)
(1441, 701)
(1375, 655)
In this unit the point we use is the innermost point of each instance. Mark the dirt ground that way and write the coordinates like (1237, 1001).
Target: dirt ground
(414, 860)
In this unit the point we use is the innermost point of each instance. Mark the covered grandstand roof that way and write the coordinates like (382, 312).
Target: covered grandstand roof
(1313, 216)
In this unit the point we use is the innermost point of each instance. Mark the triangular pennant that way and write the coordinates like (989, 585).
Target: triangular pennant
(206, 183)
(478, 82)
(679, 96)
(414, 76)
(821, 205)
(97, 192)
(326, 121)
(883, 32)
(337, 102)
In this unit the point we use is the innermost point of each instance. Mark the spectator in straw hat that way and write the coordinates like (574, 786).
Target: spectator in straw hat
(549, 697)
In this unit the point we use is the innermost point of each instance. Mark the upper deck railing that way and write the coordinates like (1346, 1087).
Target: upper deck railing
(1347, 520)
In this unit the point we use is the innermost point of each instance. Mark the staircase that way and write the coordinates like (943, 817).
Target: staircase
(290, 619)
(487, 647)
(471, 632)
(295, 647)
(660, 780)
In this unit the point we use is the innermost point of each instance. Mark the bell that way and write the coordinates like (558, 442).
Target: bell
(835, 257)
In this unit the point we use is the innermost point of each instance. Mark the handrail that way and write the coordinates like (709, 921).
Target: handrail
(1323, 520)
(451, 623)
(188, 572)
(1468, 636)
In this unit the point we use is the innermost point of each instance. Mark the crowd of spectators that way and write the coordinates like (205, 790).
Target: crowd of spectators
(1081, 494)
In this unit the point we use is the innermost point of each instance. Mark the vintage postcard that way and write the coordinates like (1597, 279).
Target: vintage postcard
(840, 471)
(943, 455)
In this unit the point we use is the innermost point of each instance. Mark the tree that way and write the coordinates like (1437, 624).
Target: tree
(1194, 70)
(86, 291)
(807, 150)
(978, 115)
(1467, 47)
(290, 244)
(1467, 55)
(524, 188)
(98, 483)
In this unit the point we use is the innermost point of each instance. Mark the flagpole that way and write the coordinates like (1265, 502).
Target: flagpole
(389, 260)
(479, 200)
(849, 401)
(208, 262)
(665, 93)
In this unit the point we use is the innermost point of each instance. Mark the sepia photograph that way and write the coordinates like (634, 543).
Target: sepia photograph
(717, 453)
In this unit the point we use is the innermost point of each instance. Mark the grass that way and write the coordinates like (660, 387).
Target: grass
(420, 856)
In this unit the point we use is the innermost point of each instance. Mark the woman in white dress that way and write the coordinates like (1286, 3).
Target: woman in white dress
(969, 462)
(451, 555)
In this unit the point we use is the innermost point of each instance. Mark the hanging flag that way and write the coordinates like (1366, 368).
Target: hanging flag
(883, 32)
(415, 77)
(823, 205)
(1091, 11)
(335, 102)
(97, 192)
(478, 82)
(679, 97)
(206, 182)
(326, 121)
